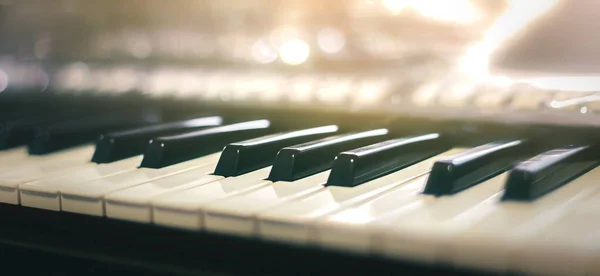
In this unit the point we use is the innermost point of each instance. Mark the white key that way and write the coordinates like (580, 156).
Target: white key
(288, 221)
(44, 193)
(38, 167)
(592, 207)
(414, 231)
(346, 229)
(88, 197)
(235, 215)
(135, 203)
(494, 231)
(9, 157)
(183, 208)
(569, 246)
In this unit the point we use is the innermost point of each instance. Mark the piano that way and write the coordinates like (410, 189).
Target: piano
(299, 137)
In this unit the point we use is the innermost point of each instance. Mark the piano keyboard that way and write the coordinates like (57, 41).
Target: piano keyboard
(504, 205)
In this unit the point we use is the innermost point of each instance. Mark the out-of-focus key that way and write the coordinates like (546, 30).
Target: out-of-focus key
(31, 169)
(44, 193)
(168, 150)
(61, 135)
(391, 232)
(123, 144)
(295, 162)
(88, 198)
(9, 157)
(547, 171)
(243, 157)
(497, 231)
(82, 154)
(19, 131)
(567, 246)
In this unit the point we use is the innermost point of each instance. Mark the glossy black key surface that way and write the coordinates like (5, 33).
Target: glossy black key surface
(463, 170)
(354, 167)
(243, 157)
(55, 136)
(118, 145)
(295, 162)
(545, 172)
(168, 150)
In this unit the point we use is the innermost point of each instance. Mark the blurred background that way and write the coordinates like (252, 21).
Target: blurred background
(154, 46)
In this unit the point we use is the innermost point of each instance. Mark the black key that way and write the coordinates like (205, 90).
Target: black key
(354, 167)
(243, 157)
(545, 172)
(61, 135)
(123, 144)
(295, 162)
(168, 150)
(17, 132)
(473, 166)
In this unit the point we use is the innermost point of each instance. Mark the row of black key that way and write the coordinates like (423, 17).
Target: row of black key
(378, 156)
(354, 158)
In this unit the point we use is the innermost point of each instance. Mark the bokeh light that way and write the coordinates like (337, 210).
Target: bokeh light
(263, 52)
(515, 19)
(294, 52)
(396, 6)
(331, 40)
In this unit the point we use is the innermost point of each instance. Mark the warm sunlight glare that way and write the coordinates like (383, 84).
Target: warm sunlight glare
(517, 16)
(294, 52)
(456, 11)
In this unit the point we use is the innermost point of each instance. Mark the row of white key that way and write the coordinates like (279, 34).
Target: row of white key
(33, 168)
(85, 184)
(473, 229)
(388, 216)
(236, 211)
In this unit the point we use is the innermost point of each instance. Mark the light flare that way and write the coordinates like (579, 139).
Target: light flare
(294, 52)
(516, 18)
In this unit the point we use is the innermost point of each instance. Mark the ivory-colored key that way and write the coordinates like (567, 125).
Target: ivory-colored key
(9, 157)
(414, 231)
(135, 203)
(183, 208)
(88, 198)
(43, 167)
(44, 193)
(288, 221)
(240, 209)
(568, 246)
(496, 231)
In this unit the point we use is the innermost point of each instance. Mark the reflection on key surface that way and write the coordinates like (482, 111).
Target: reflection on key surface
(168, 150)
(354, 167)
(243, 157)
(548, 171)
(459, 172)
(295, 162)
(127, 143)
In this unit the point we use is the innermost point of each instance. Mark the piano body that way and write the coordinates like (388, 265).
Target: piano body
(299, 137)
